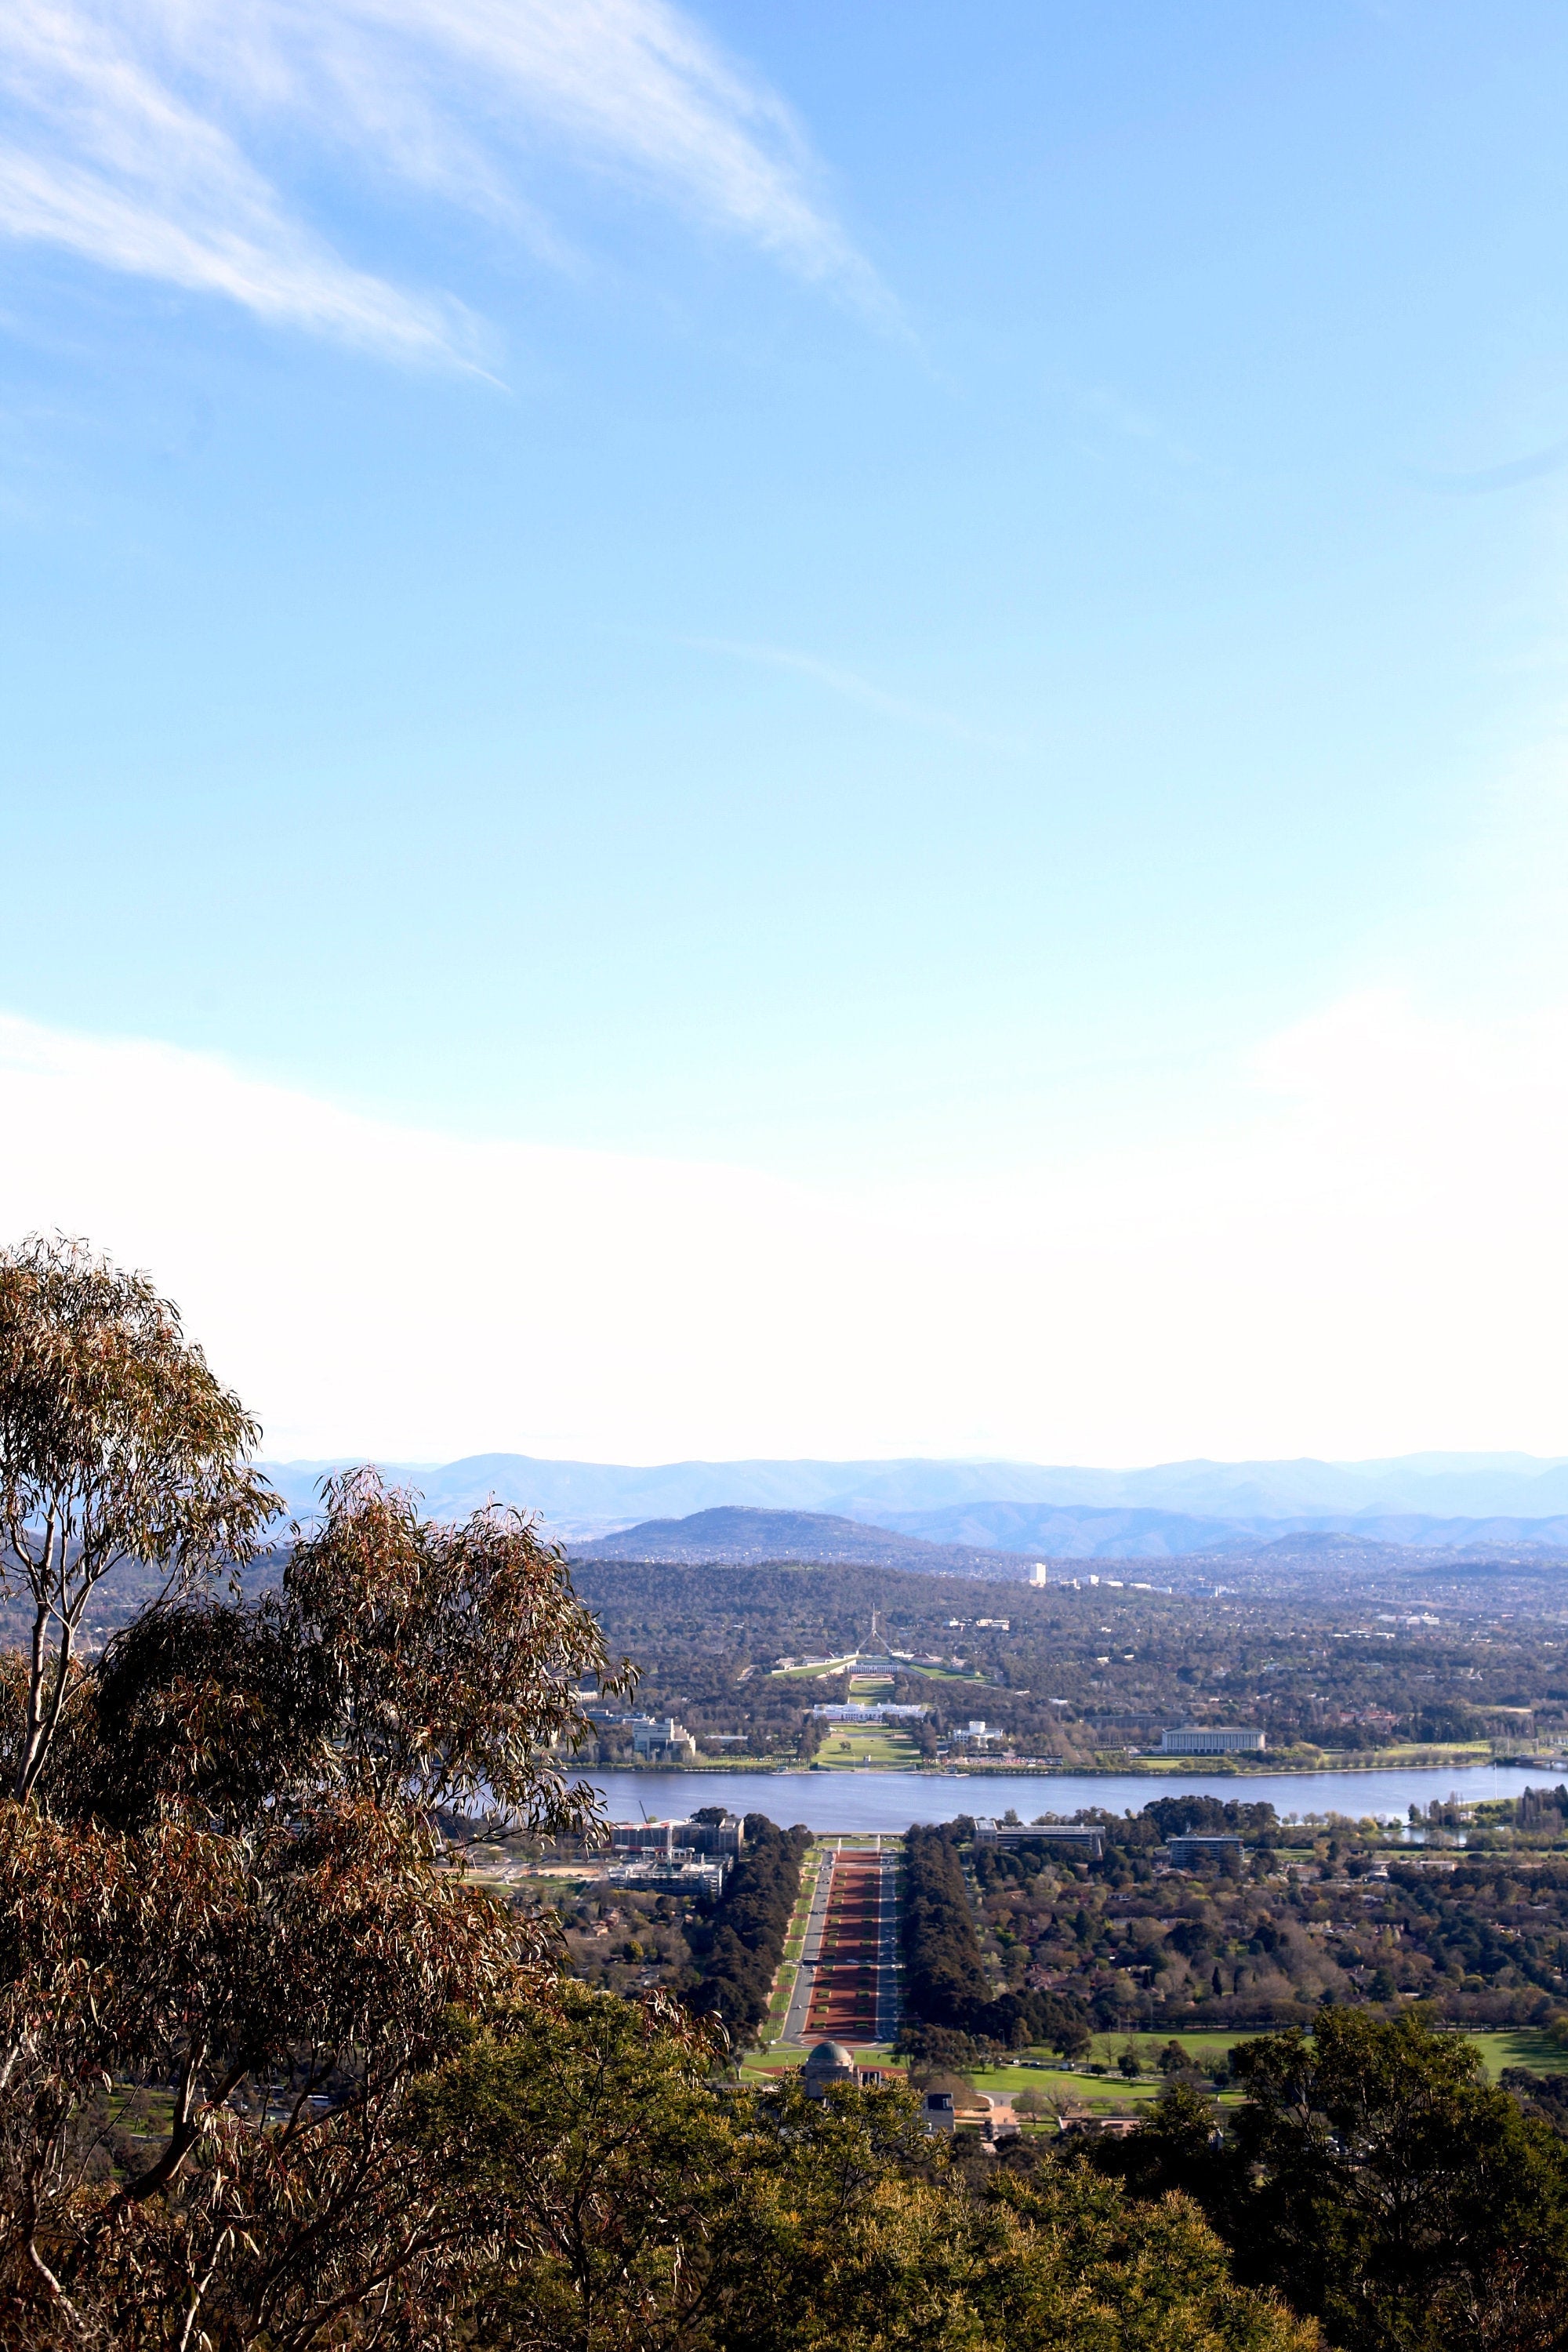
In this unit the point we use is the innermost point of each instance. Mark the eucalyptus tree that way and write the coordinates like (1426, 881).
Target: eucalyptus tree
(449, 1655)
(117, 1446)
(234, 1940)
(635, 2206)
(1390, 2189)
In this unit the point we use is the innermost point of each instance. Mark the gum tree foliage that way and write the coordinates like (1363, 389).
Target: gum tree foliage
(1406, 2199)
(207, 2042)
(230, 1934)
(636, 2209)
(412, 1666)
(1373, 2177)
(117, 1446)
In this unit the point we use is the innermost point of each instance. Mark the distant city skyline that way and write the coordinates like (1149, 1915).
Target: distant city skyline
(742, 732)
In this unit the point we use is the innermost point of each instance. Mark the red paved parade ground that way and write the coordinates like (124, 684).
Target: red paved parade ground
(844, 1996)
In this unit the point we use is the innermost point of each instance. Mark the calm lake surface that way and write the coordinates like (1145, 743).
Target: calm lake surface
(891, 1801)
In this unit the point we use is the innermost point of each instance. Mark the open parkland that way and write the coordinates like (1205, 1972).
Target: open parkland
(839, 1979)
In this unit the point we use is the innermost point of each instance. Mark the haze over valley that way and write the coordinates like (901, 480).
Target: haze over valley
(1021, 1510)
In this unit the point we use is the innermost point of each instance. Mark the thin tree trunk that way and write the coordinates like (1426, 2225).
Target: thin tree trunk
(38, 1579)
(187, 2130)
(44, 1738)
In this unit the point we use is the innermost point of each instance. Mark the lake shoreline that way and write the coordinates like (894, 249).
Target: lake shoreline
(1023, 1769)
(867, 1800)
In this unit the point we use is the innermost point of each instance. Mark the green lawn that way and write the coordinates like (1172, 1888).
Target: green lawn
(883, 1744)
(1519, 2048)
(1060, 2082)
(1198, 2046)
(934, 1674)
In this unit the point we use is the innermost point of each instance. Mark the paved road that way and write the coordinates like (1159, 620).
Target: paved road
(844, 2001)
(888, 1984)
(810, 1957)
(848, 1969)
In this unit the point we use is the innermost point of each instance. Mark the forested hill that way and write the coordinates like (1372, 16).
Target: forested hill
(741, 1537)
(738, 1537)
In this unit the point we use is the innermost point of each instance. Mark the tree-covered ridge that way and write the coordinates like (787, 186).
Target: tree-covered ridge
(1075, 1674)
(637, 2204)
(1409, 2203)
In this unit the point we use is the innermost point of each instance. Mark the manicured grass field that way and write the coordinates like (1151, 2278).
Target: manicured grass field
(1059, 2083)
(1200, 2047)
(1110, 2088)
(1110, 2093)
(1521, 2047)
(882, 1744)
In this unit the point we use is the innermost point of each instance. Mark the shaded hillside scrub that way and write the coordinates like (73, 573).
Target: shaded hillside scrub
(635, 2208)
(1375, 2178)
(1545, 2097)
(739, 1949)
(228, 1942)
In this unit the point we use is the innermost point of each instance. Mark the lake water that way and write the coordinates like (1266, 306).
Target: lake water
(891, 1801)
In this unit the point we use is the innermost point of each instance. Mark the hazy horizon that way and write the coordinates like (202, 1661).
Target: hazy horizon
(1455, 1458)
(796, 731)
(1015, 1507)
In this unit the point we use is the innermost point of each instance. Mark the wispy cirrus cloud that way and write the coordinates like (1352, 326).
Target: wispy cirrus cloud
(133, 132)
(1481, 479)
(852, 687)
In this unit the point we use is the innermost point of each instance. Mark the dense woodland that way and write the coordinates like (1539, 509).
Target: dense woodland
(739, 1941)
(946, 1984)
(1027, 1946)
(1299, 1923)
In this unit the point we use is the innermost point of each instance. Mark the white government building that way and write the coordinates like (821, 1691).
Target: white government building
(1212, 1739)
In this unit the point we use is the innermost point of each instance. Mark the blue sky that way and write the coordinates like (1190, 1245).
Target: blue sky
(898, 602)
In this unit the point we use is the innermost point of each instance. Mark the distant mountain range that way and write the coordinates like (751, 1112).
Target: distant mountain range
(1049, 1534)
(737, 1536)
(1025, 1508)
